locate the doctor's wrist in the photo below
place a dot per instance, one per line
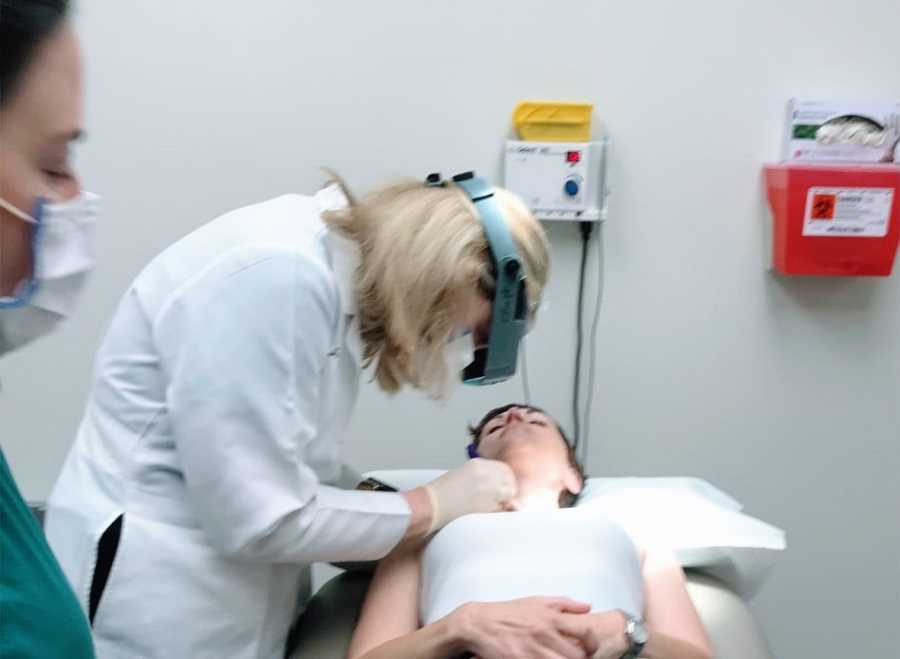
(421, 514)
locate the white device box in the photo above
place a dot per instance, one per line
(559, 180)
(805, 118)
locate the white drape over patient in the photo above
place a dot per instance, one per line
(567, 553)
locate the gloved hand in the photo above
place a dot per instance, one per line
(479, 486)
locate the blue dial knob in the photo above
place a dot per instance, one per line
(571, 188)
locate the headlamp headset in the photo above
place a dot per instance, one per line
(496, 362)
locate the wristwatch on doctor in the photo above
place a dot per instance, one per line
(636, 633)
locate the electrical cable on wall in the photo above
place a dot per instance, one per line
(592, 358)
(585, 228)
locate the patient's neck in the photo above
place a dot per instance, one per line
(539, 486)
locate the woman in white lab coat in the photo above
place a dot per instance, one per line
(197, 489)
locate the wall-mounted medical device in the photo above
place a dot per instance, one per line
(559, 180)
(554, 166)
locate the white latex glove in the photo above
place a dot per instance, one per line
(479, 486)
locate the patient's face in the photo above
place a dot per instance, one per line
(523, 432)
(530, 442)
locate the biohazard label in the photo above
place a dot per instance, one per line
(848, 212)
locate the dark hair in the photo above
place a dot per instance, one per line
(24, 25)
(566, 498)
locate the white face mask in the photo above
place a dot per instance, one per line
(62, 258)
(458, 353)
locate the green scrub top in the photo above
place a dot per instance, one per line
(40, 617)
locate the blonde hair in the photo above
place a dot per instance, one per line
(423, 253)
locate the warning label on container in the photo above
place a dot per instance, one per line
(848, 212)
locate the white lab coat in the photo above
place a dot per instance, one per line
(221, 395)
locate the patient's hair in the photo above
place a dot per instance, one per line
(24, 27)
(423, 253)
(566, 498)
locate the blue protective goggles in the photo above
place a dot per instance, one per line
(496, 362)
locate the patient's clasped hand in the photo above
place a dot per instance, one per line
(542, 581)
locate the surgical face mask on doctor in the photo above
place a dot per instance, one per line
(62, 256)
(456, 355)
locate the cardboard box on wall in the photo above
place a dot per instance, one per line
(841, 130)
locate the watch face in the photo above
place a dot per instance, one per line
(639, 633)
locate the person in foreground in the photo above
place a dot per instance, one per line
(46, 253)
(542, 581)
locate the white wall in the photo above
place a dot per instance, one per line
(783, 392)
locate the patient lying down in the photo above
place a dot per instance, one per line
(541, 581)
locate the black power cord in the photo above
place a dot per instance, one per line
(586, 228)
(592, 359)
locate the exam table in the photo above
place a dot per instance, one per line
(324, 629)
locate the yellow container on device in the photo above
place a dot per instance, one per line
(553, 121)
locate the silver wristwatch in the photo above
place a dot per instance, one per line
(636, 633)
